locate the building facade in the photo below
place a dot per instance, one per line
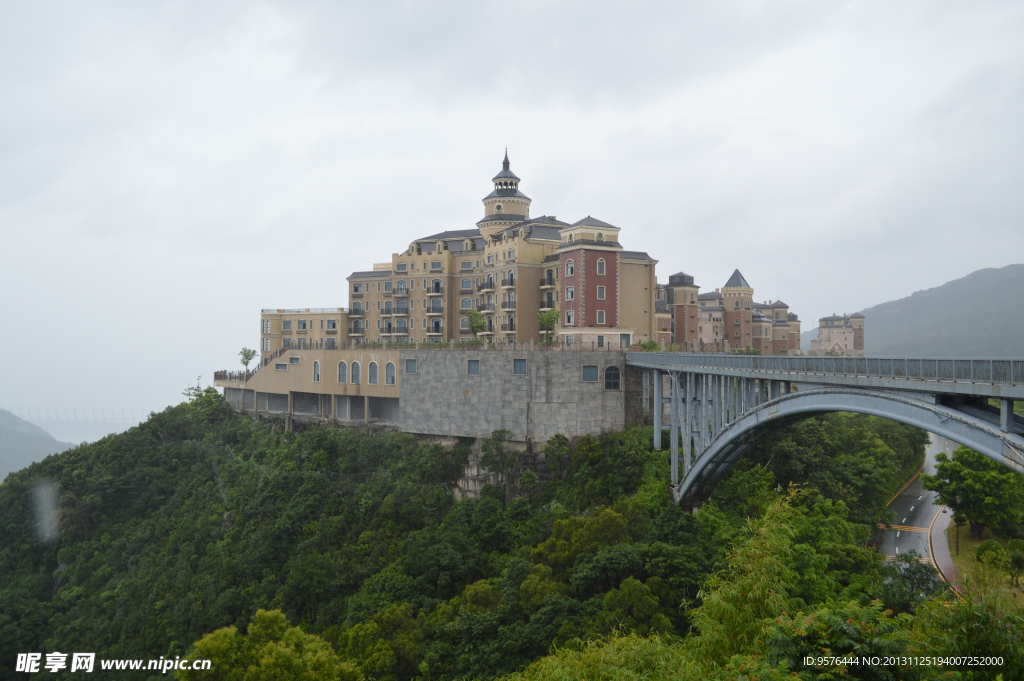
(839, 335)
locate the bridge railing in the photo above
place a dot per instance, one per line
(1004, 371)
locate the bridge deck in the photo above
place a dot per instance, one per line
(996, 378)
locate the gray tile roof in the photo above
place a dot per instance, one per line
(660, 306)
(569, 245)
(712, 295)
(780, 322)
(714, 308)
(631, 255)
(453, 234)
(502, 217)
(856, 315)
(792, 317)
(779, 303)
(371, 273)
(592, 222)
(507, 192)
(737, 280)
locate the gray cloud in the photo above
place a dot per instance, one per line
(166, 170)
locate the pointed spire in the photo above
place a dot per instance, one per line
(504, 164)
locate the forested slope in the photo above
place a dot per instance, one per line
(22, 443)
(198, 518)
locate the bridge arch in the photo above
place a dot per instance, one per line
(736, 437)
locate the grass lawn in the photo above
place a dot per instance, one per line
(969, 566)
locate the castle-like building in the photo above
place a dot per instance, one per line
(839, 335)
(511, 267)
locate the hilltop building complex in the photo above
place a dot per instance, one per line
(839, 335)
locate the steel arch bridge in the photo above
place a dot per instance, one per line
(720, 404)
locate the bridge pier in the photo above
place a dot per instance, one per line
(657, 408)
(1006, 416)
(674, 436)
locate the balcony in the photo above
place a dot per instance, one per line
(353, 313)
(401, 331)
(401, 293)
(486, 332)
(511, 305)
(435, 332)
(401, 312)
(508, 327)
(436, 291)
(486, 286)
(547, 305)
(508, 283)
(485, 307)
(355, 332)
(547, 283)
(385, 313)
(434, 312)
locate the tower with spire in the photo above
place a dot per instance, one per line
(505, 205)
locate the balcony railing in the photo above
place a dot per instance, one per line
(511, 305)
(486, 286)
(485, 307)
(508, 283)
(401, 311)
(435, 291)
(401, 292)
(547, 282)
(547, 304)
(508, 327)
(435, 311)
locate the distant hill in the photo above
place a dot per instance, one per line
(22, 443)
(980, 315)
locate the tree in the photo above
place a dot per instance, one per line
(906, 582)
(1015, 560)
(477, 323)
(497, 457)
(959, 519)
(986, 492)
(547, 320)
(271, 649)
(247, 355)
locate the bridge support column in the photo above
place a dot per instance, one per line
(787, 387)
(657, 409)
(1006, 416)
(648, 374)
(687, 417)
(674, 435)
(774, 386)
(702, 401)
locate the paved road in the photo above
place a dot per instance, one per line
(914, 508)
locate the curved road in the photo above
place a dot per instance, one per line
(915, 512)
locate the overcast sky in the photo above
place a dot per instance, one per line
(168, 169)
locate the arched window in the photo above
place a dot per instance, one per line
(357, 306)
(342, 372)
(371, 375)
(435, 305)
(570, 268)
(435, 326)
(387, 326)
(400, 326)
(549, 275)
(600, 266)
(467, 283)
(436, 286)
(611, 378)
(401, 287)
(511, 300)
(465, 322)
(357, 326)
(389, 374)
(355, 373)
(316, 372)
(387, 307)
(511, 278)
(466, 303)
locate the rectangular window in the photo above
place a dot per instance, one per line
(474, 367)
(293, 360)
(410, 366)
(600, 292)
(467, 265)
(281, 367)
(332, 323)
(600, 316)
(624, 340)
(387, 286)
(378, 287)
(570, 293)
(436, 265)
(568, 317)
(286, 325)
(287, 342)
(519, 367)
(590, 374)
(321, 325)
(401, 267)
(302, 324)
(357, 288)
(490, 258)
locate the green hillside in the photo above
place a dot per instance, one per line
(200, 519)
(22, 443)
(979, 315)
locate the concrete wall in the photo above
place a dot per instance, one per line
(441, 398)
